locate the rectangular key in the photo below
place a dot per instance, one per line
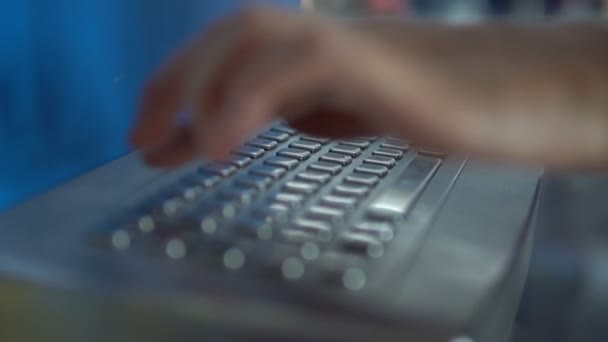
(293, 153)
(396, 145)
(363, 179)
(301, 187)
(287, 163)
(342, 202)
(250, 151)
(351, 190)
(204, 179)
(284, 129)
(332, 168)
(258, 182)
(265, 144)
(362, 144)
(268, 171)
(238, 193)
(351, 151)
(321, 141)
(398, 198)
(380, 160)
(292, 200)
(220, 169)
(275, 135)
(327, 214)
(321, 229)
(382, 230)
(431, 152)
(388, 152)
(361, 245)
(341, 159)
(310, 146)
(373, 169)
(240, 161)
(314, 176)
(311, 225)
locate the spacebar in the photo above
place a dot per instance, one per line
(402, 194)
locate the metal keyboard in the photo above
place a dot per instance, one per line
(294, 206)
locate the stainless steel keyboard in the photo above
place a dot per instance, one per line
(287, 203)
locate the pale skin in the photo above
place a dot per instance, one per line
(514, 92)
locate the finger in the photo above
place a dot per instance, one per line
(170, 89)
(260, 91)
(260, 29)
(175, 152)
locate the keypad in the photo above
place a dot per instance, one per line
(294, 153)
(298, 207)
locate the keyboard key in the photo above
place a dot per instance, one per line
(431, 152)
(275, 135)
(396, 145)
(373, 169)
(284, 129)
(321, 141)
(250, 151)
(363, 179)
(321, 229)
(322, 166)
(265, 144)
(362, 144)
(351, 151)
(272, 212)
(206, 180)
(314, 176)
(396, 201)
(351, 190)
(278, 207)
(361, 245)
(268, 171)
(381, 230)
(290, 199)
(258, 182)
(341, 159)
(342, 202)
(327, 214)
(301, 187)
(388, 152)
(297, 236)
(182, 191)
(380, 160)
(293, 153)
(238, 194)
(287, 163)
(240, 161)
(220, 169)
(306, 145)
(370, 138)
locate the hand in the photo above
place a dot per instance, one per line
(481, 89)
(325, 77)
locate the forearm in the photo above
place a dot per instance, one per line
(542, 67)
(540, 89)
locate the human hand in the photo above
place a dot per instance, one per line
(450, 87)
(325, 77)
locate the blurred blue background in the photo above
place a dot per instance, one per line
(70, 75)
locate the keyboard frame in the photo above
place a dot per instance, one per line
(42, 247)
